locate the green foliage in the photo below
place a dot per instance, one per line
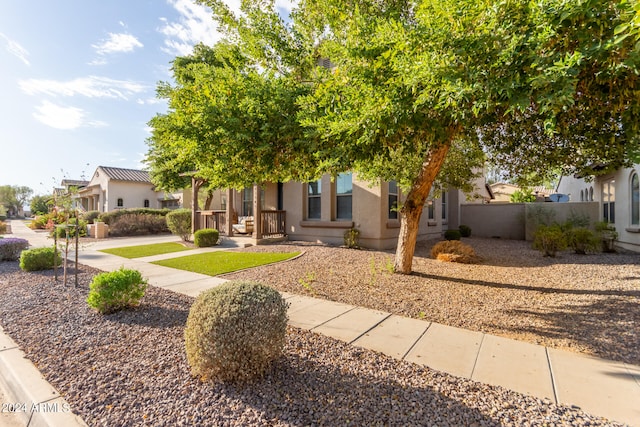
(11, 247)
(452, 234)
(179, 223)
(465, 230)
(206, 237)
(235, 331)
(39, 205)
(549, 240)
(608, 235)
(308, 281)
(137, 224)
(116, 290)
(523, 196)
(352, 238)
(582, 240)
(69, 228)
(39, 259)
(110, 217)
(3, 227)
(3, 213)
(13, 198)
(90, 216)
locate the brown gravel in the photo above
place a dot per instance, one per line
(129, 369)
(584, 303)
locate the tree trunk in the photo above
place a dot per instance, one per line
(411, 210)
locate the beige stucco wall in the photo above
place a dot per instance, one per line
(133, 195)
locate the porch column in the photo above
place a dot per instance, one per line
(195, 186)
(229, 222)
(257, 213)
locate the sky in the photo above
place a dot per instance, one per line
(78, 81)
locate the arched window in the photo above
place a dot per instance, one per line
(581, 196)
(635, 200)
(120, 202)
(591, 194)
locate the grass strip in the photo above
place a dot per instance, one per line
(146, 250)
(216, 263)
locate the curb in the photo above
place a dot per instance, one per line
(36, 402)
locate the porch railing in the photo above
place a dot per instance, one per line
(273, 222)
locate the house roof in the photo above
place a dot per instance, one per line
(74, 183)
(120, 174)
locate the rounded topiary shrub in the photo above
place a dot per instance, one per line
(116, 290)
(235, 331)
(465, 230)
(454, 251)
(11, 247)
(39, 259)
(452, 235)
(206, 237)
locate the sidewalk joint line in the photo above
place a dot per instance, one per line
(334, 317)
(370, 329)
(475, 362)
(416, 341)
(553, 378)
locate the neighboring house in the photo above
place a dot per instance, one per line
(503, 192)
(323, 210)
(71, 187)
(113, 188)
(618, 195)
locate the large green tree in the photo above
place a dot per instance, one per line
(14, 197)
(413, 91)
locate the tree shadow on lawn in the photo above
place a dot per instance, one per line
(600, 327)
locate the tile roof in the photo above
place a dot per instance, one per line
(132, 175)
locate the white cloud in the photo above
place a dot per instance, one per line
(65, 118)
(14, 48)
(150, 101)
(91, 87)
(195, 25)
(121, 42)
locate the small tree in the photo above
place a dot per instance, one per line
(523, 196)
(179, 223)
(39, 205)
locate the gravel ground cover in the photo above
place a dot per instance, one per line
(584, 303)
(130, 369)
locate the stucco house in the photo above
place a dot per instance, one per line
(618, 195)
(323, 210)
(112, 188)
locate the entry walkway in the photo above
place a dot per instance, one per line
(600, 387)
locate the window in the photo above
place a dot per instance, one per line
(344, 190)
(591, 194)
(393, 200)
(431, 211)
(444, 205)
(581, 196)
(120, 202)
(146, 203)
(314, 193)
(609, 201)
(635, 199)
(247, 201)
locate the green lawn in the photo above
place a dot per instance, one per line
(216, 263)
(146, 250)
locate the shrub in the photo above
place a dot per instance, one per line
(607, 234)
(137, 224)
(206, 237)
(179, 223)
(582, 240)
(465, 230)
(109, 218)
(235, 331)
(39, 259)
(3, 227)
(61, 232)
(452, 235)
(11, 247)
(454, 251)
(116, 290)
(549, 240)
(352, 238)
(90, 216)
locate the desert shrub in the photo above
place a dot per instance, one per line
(607, 234)
(90, 216)
(235, 331)
(3, 227)
(454, 251)
(452, 235)
(47, 221)
(179, 223)
(549, 240)
(352, 238)
(61, 232)
(116, 290)
(39, 259)
(465, 230)
(206, 237)
(109, 217)
(10, 248)
(137, 224)
(582, 240)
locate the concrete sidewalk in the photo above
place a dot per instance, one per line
(600, 387)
